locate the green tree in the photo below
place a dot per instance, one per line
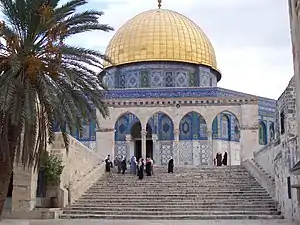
(43, 79)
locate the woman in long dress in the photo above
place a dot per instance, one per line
(141, 169)
(171, 166)
(148, 167)
(133, 165)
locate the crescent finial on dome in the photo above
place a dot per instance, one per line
(159, 3)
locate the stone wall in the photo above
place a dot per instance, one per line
(282, 154)
(79, 163)
(266, 155)
(286, 106)
(277, 159)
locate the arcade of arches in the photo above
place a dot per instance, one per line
(191, 144)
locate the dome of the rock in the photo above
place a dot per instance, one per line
(160, 35)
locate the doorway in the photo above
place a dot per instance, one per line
(149, 149)
(138, 149)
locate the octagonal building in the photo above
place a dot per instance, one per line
(165, 101)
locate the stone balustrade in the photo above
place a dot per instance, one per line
(82, 167)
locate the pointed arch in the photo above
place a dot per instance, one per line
(124, 124)
(192, 126)
(262, 133)
(162, 125)
(226, 126)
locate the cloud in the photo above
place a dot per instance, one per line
(251, 38)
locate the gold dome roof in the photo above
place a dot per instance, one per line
(160, 35)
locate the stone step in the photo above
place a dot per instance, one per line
(171, 217)
(177, 212)
(178, 196)
(159, 208)
(172, 192)
(176, 201)
(183, 205)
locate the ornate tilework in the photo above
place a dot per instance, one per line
(181, 79)
(192, 127)
(186, 153)
(144, 79)
(206, 155)
(166, 148)
(123, 126)
(192, 79)
(165, 127)
(133, 80)
(122, 81)
(205, 81)
(109, 80)
(169, 79)
(157, 79)
(121, 148)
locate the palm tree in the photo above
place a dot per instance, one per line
(43, 80)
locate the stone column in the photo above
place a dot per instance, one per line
(155, 149)
(105, 142)
(24, 189)
(176, 150)
(144, 146)
(130, 150)
(210, 146)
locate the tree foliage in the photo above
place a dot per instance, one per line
(43, 79)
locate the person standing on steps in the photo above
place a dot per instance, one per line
(152, 165)
(219, 159)
(171, 166)
(124, 165)
(141, 169)
(133, 165)
(148, 167)
(225, 159)
(107, 165)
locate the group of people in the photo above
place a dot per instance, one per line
(136, 167)
(219, 161)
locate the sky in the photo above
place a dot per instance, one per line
(251, 38)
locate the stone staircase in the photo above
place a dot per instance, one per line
(189, 193)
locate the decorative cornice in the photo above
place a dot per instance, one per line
(178, 102)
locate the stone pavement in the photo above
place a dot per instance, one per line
(152, 222)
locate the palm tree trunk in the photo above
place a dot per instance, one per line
(5, 176)
(6, 167)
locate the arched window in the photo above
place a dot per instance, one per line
(225, 127)
(262, 134)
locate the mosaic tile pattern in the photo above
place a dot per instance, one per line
(121, 148)
(186, 153)
(166, 151)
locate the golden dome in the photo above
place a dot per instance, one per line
(160, 35)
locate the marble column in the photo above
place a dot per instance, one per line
(176, 150)
(130, 148)
(210, 145)
(144, 145)
(156, 152)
